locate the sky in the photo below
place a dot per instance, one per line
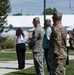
(37, 6)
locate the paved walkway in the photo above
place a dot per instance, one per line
(71, 57)
(10, 66)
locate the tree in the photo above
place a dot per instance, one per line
(54, 10)
(18, 14)
(50, 11)
(4, 10)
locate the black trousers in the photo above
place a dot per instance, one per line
(67, 61)
(20, 51)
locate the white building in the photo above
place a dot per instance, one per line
(26, 21)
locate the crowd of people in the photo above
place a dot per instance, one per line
(50, 42)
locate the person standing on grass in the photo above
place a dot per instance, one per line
(19, 41)
(68, 46)
(36, 41)
(58, 45)
(46, 40)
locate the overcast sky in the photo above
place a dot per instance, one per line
(36, 6)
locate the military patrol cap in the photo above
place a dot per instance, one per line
(57, 16)
(36, 19)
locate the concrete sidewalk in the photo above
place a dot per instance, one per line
(10, 66)
(71, 57)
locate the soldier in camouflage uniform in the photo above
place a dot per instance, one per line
(38, 52)
(58, 53)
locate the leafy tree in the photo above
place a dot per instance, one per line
(4, 10)
(54, 10)
(18, 14)
(50, 11)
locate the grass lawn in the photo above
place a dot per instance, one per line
(31, 71)
(13, 56)
(13, 50)
(70, 68)
(10, 55)
(71, 52)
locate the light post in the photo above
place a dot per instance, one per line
(21, 12)
(44, 10)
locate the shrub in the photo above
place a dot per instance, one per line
(9, 41)
(9, 44)
(2, 46)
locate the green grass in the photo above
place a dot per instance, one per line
(70, 68)
(12, 56)
(31, 71)
(71, 52)
(7, 56)
(13, 50)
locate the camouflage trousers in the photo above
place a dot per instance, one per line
(59, 67)
(38, 62)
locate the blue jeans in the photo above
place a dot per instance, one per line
(48, 61)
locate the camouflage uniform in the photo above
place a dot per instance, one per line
(38, 52)
(58, 54)
(58, 47)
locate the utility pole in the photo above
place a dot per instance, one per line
(69, 6)
(44, 10)
(21, 12)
